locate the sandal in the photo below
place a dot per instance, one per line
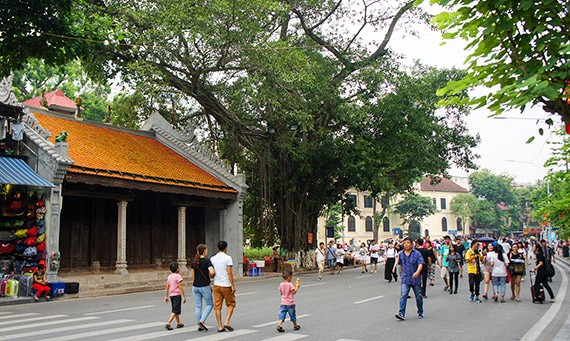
(168, 327)
(203, 326)
(180, 325)
(36, 298)
(280, 329)
(297, 327)
(228, 328)
(221, 330)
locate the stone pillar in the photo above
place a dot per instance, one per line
(121, 264)
(182, 239)
(52, 220)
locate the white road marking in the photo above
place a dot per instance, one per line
(247, 293)
(43, 324)
(363, 276)
(106, 331)
(369, 299)
(45, 331)
(18, 315)
(154, 335)
(287, 337)
(312, 285)
(275, 322)
(4, 312)
(223, 336)
(538, 328)
(31, 319)
(119, 310)
(347, 340)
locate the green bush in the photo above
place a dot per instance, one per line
(257, 253)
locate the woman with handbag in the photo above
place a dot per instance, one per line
(202, 271)
(516, 268)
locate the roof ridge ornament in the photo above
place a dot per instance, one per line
(6, 94)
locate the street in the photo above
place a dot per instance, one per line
(349, 306)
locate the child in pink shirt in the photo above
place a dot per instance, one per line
(175, 292)
(288, 291)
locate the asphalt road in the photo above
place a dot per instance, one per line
(349, 306)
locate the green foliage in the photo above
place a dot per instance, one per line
(519, 48)
(552, 199)
(495, 188)
(415, 207)
(257, 253)
(464, 206)
(333, 214)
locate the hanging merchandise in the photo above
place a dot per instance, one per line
(54, 260)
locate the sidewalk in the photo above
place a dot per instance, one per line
(109, 283)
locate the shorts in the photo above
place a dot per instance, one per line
(373, 260)
(284, 309)
(444, 271)
(176, 302)
(330, 262)
(222, 294)
(341, 264)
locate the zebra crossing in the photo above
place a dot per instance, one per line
(93, 326)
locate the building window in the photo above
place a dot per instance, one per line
(368, 224)
(434, 202)
(352, 199)
(459, 224)
(351, 224)
(386, 224)
(444, 224)
(443, 204)
(367, 201)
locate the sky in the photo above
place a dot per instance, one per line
(503, 148)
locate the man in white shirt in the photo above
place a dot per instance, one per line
(320, 253)
(224, 288)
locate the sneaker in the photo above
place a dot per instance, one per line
(477, 300)
(486, 297)
(445, 288)
(455, 292)
(400, 317)
(420, 317)
(471, 298)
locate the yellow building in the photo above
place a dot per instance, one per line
(359, 227)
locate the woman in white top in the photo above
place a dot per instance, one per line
(362, 255)
(488, 254)
(499, 262)
(339, 258)
(389, 260)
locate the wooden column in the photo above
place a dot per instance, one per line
(121, 264)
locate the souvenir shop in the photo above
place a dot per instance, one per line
(22, 205)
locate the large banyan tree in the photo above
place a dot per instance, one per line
(305, 96)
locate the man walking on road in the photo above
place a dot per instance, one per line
(224, 288)
(320, 253)
(412, 264)
(427, 263)
(443, 253)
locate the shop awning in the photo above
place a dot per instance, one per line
(15, 171)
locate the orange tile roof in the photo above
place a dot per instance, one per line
(117, 153)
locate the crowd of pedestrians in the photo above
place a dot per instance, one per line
(500, 265)
(495, 263)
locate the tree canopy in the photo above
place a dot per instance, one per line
(519, 49)
(464, 206)
(415, 207)
(294, 92)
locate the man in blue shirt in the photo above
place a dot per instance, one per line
(412, 264)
